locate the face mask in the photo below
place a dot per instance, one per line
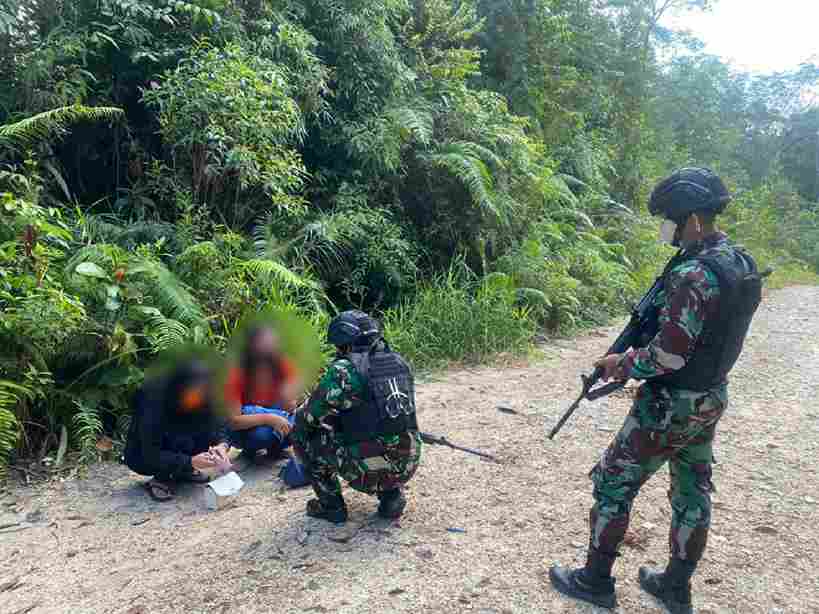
(193, 399)
(668, 232)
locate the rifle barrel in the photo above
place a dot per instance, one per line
(566, 416)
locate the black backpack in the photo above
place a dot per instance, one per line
(389, 405)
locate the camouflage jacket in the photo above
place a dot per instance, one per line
(691, 297)
(340, 388)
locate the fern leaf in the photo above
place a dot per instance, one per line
(474, 175)
(475, 150)
(273, 272)
(558, 183)
(54, 124)
(164, 333)
(10, 429)
(86, 428)
(168, 293)
(417, 123)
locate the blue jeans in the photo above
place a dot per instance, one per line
(262, 437)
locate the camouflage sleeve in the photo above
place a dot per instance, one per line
(693, 290)
(340, 388)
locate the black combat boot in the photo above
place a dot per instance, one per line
(672, 587)
(392, 504)
(332, 509)
(592, 583)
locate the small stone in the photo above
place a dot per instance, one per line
(713, 581)
(35, 516)
(425, 553)
(766, 530)
(396, 591)
(343, 536)
(253, 546)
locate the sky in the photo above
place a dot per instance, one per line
(757, 35)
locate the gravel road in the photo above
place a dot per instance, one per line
(477, 536)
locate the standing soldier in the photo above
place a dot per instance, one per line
(709, 296)
(359, 424)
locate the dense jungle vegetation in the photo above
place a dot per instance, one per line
(474, 171)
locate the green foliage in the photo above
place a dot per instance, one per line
(482, 319)
(473, 171)
(10, 429)
(87, 429)
(50, 125)
(570, 277)
(229, 118)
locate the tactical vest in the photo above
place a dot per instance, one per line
(720, 342)
(388, 407)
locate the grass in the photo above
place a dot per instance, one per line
(451, 319)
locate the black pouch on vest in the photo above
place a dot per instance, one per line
(390, 405)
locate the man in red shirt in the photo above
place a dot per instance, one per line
(260, 394)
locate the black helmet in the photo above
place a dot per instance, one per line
(686, 191)
(352, 328)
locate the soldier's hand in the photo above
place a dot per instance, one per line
(611, 367)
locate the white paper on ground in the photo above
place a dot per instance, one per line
(218, 490)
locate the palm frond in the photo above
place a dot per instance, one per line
(54, 124)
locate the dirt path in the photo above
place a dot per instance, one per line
(98, 544)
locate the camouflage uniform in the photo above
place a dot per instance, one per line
(666, 424)
(375, 466)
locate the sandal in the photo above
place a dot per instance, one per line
(159, 491)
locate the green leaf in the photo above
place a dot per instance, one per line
(113, 302)
(89, 269)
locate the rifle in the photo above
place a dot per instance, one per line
(643, 319)
(440, 440)
(641, 325)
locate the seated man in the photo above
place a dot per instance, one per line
(359, 423)
(260, 395)
(175, 433)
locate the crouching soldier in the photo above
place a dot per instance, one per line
(360, 423)
(175, 433)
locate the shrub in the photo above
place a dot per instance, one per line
(457, 317)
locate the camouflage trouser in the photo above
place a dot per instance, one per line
(677, 426)
(370, 467)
